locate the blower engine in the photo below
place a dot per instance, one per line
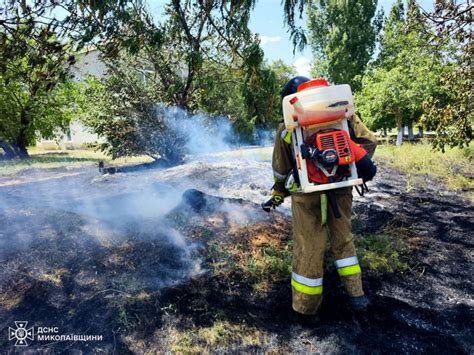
(326, 157)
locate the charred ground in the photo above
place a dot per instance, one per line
(211, 274)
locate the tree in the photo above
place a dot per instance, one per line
(120, 109)
(282, 71)
(260, 94)
(33, 69)
(404, 75)
(199, 58)
(343, 36)
(394, 97)
(250, 99)
(451, 110)
(35, 55)
(426, 60)
(283, 74)
(126, 110)
(171, 51)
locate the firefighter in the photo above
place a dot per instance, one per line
(308, 232)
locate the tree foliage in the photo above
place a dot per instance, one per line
(422, 75)
(198, 57)
(249, 98)
(121, 110)
(126, 109)
(343, 37)
(451, 110)
(36, 52)
(405, 74)
(33, 77)
(171, 50)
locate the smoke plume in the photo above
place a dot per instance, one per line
(118, 216)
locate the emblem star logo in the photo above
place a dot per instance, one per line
(21, 333)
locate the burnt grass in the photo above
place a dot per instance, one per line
(133, 283)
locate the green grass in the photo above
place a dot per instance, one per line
(268, 265)
(418, 161)
(54, 159)
(264, 266)
(380, 253)
(376, 252)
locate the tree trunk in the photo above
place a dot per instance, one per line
(399, 135)
(22, 137)
(398, 120)
(9, 151)
(411, 137)
(420, 131)
(12, 151)
(385, 131)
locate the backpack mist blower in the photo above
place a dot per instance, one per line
(326, 158)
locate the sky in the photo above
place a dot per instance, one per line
(267, 20)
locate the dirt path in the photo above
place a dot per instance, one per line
(162, 281)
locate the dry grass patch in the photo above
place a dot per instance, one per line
(260, 253)
(453, 168)
(221, 336)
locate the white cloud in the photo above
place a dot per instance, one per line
(269, 39)
(302, 66)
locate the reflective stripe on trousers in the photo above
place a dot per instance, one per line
(348, 266)
(306, 285)
(278, 176)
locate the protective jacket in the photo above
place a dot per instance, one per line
(309, 233)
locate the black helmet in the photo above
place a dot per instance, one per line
(292, 85)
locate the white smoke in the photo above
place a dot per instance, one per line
(98, 214)
(111, 208)
(202, 134)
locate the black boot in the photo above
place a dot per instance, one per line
(359, 304)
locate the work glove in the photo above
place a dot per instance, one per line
(275, 201)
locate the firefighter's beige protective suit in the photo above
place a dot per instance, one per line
(310, 235)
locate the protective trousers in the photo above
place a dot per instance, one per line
(309, 247)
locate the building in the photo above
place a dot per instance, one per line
(87, 64)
